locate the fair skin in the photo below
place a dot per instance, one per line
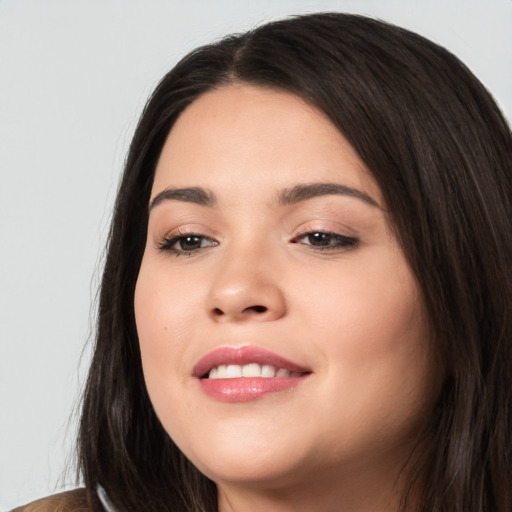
(311, 274)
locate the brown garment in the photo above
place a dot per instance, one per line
(70, 501)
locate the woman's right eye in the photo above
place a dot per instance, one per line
(185, 244)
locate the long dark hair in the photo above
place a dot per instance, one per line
(441, 153)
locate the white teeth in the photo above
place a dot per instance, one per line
(233, 371)
(251, 370)
(268, 371)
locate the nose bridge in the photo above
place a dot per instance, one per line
(246, 284)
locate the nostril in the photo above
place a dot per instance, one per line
(248, 312)
(257, 309)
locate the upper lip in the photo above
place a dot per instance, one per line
(241, 356)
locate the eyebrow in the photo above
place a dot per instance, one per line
(307, 191)
(288, 196)
(197, 195)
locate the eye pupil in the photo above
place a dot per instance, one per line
(189, 243)
(319, 239)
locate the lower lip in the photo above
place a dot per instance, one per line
(244, 389)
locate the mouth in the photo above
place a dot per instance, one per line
(265, 371)
(240, 374)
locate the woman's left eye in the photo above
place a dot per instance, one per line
(185, 243)
(322, 240)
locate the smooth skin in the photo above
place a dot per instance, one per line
(317, 278)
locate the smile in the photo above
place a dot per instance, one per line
(241, 374)
(265, 371)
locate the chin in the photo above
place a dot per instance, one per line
(255, 457)
(259, 472)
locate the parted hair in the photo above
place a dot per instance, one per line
(441, 152)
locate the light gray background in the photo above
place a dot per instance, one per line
(74, 76)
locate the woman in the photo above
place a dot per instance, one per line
(307, 294)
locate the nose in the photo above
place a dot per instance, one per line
(245, 289)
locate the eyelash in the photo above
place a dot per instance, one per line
(167, 244)
(342, 242)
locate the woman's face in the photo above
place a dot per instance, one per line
(269, 250)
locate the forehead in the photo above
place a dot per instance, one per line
(262, 137)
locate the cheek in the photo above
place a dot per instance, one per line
(372, 306)
(382, 318)
(164, 327)
(375, 349)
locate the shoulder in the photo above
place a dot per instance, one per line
(70, 501)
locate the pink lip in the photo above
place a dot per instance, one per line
(245, 389)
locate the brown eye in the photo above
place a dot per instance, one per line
(189, 243)
(185, 244)
(322, 240)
